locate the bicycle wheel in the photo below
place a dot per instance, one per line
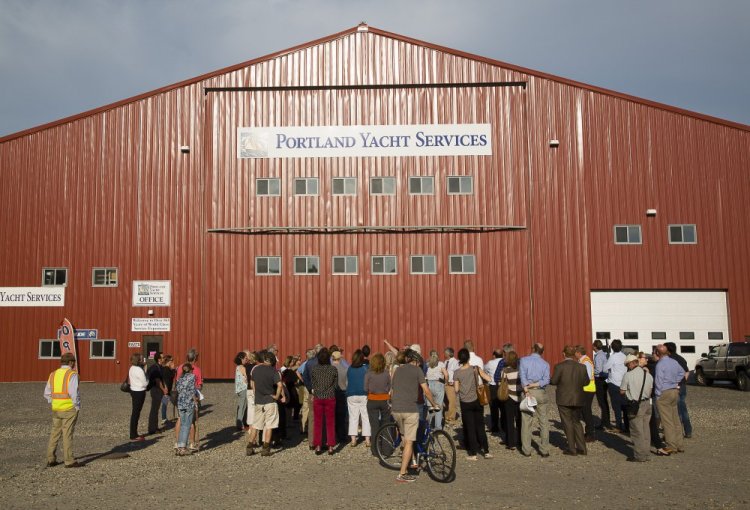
(388, 446)
(441, 457)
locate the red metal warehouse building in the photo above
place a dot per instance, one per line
(367, 186)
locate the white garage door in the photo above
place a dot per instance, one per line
(693, 320)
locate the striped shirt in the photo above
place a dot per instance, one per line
(514, 388)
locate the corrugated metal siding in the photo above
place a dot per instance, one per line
(107, 190)
(112, 189)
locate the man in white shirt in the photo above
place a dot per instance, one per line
(616, 368)
(474, 360)
(451, 365)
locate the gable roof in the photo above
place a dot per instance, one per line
(365, 28)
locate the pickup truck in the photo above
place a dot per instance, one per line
(725, 362)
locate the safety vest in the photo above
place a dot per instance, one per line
(591, 386)
(58, 381)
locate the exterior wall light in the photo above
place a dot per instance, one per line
(651, 212)
(554, 143)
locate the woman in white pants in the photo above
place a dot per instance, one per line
(250, 362)
(356, 398)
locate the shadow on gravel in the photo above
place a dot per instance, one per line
(221, 437)
(616, 442)
(205, 410)
(121, 451)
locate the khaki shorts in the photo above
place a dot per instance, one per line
(266, 416)
(407, 424)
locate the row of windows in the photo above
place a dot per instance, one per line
(100, 277)
(678, 234)
(420, 185)
(303, 265)
(379, 265)
(660, 335)
(98, 349)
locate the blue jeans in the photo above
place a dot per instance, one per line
(164, 403)
(682, 411)
(186, 420)
(621, 419)
(438, 393)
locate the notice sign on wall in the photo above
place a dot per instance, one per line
(140, 325)
(152, 293)
(355, 141)
(32, 296)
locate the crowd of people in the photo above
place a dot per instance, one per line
(333, 400)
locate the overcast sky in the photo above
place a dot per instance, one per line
(59, 58)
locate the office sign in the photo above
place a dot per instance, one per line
(364, 141)
(32, 296)
(152, 293)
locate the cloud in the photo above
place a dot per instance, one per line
(62, 58)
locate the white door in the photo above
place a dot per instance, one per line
(693, 320)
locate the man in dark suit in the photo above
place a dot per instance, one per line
(570, 377)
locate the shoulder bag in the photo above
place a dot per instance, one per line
(125, 386)
(632, 406)
(503, 392)
(483, 393)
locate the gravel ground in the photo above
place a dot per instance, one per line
(707, 475)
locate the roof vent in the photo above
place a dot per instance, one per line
(362, 27)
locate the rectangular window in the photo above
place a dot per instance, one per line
(682, 234)
(54, 277)
(687, 335)
(382, 185)
(715, 335)
(687, 349)
(347, 264)
(422, 185)
(627, 234)
(102, 349)
(630, 335)
(460, 185)
(270, 187)
(49, 349)
(344, 185)
(383, 264)
(306, 186)
(268, 266)
(104, 277)
(423, 264)
(308, 264)
(658, 335)
(462, 264)
(603, 335)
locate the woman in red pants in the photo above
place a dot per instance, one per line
(324, 381)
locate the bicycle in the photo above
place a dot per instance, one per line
(435, 448)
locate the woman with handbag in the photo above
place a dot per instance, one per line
(138, 384)
(468, 385)
(510, 399)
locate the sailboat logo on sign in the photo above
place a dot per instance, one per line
(253, 144)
